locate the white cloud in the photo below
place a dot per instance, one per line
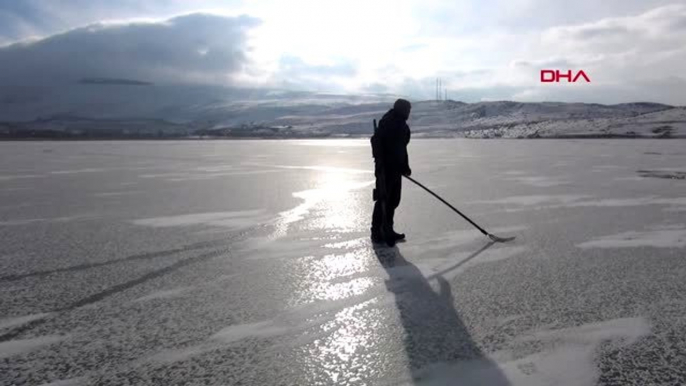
(192, 48)
(494, 49)
(629, 58)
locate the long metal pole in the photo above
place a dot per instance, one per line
(448, 204)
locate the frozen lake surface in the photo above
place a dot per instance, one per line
(249, 263)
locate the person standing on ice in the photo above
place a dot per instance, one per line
(389, 149)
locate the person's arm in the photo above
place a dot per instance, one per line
(384, 145)
(406, 169)
(406, 162)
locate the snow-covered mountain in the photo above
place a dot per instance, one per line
(126, 107)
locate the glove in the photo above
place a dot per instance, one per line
(407, 172)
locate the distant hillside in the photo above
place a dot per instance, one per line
(96, 109)
(502, 119)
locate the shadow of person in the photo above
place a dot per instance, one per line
(438, 345)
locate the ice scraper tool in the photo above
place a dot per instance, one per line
(490, 236)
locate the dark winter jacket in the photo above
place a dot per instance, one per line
(391, 139)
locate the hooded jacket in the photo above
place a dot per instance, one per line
(392, 138)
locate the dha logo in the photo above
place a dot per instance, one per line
(549, 76)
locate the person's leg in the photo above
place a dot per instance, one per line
(377, 221)
(387, 225)
(392, 182)
(378, 213)
(395, 185)
(388, 218)
(394, 188)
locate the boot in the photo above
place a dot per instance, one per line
(389, 238)
(397, 236)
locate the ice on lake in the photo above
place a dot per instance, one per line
(249, 262)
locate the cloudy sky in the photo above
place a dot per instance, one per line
(633, 50)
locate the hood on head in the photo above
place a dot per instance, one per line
(402, 107)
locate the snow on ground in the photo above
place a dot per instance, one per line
(18, 321)
(259, 113)
(565, 351)
(663, 238)
(20, 346)
(270, 278)
(224, 219)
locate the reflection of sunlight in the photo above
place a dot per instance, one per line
(361, 242)
(335, 208)
(344, 349)
(340, 210)
(336, 270)
(346, 352)
(332, 277)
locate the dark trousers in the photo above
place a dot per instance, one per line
(387, 196)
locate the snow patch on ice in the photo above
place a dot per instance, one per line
(631, 178)
(448, 242)
(659, 238)
(19, 320)
(629, 330)
(567, 359)
(21, 346)
(231, 334)
(116, 194)
(220, 219)
(537, 199)
(172, 293)
(215, 168)
(68, 382)
(444, 241)
(269, 248)
(46, 220)
(581, 201)
(161, 175)
(296, 321)
(19, 177)
(619, 202)
(79, 171)
(538, 181)
(605, 168)
(264, 329)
